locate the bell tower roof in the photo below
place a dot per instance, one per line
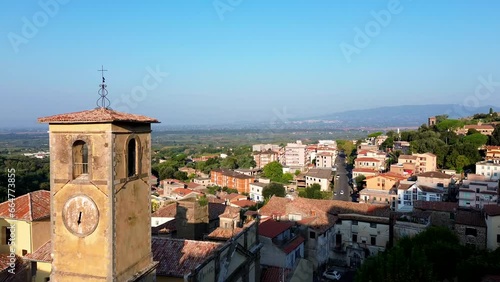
(98, 115)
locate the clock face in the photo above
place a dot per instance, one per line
(80, 215)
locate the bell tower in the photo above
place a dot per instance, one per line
(100, 166)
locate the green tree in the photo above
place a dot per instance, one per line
(476, 139)
(273, 188)
(449, 124)
(359, 181)
(314, 192)
(229, 163)
(374, 134)
(166, 172)
(388, 143)
(286, 178)
(494, 139)
(273, 171)
(297, 172)
(181, 175)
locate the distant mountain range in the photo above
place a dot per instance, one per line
(393, 116)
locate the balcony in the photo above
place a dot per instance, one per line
(80, 169)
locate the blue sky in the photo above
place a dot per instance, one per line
(243, 60)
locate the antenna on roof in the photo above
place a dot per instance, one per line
(103, 102)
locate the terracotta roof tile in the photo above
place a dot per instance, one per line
(221, 233)
(293, 245)
(320, 214)
(168, 210)
(42, 254)
(231, 212)
(178, 257)
(97, 115)
(436, 206)
(274, 274)
(320, 173)
(272, 228)
(471, 218)
(435, 174)
(367, 160)
(492, 210)
(184, 191)
(28, 207)
(244, 203)
(362, 169)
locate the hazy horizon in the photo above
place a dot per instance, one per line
(221, 62)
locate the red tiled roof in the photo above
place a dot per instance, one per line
(274, 274)
(408, 157)
(97, 115)
(436, 206)
(320, 212)
(271, 228)
(178, 257)
(28, 207)
(362, 169)
(293, 245)
(231, 212)
(21, 269)
(221, 233)
(192, 185)
(471, 218)
(389, 175)
(367, 160)
(435, 174)
(492, 210)
(184, 191)
(42, 254)
(244, 203)
(168, 210)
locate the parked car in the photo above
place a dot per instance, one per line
(341, 192)
(332, 274)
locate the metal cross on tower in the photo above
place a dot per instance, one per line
(103, 101)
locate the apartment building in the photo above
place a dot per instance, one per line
(410, 192)
(265, 147)
(476, 193)
(490, 169)
(325, 160)
(323, 177)
(295, 155)
(371, 163)
(492, 153)
(230, 179)
(262, 158)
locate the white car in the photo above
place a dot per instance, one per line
(341, 192)
(332, 274)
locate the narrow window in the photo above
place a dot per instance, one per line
(470, 231)
(80, 158)
(373, 240)
(131, 157)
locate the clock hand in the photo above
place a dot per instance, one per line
(79, 218)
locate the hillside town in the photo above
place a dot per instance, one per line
(303, 212)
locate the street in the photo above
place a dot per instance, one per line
(342, 190)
